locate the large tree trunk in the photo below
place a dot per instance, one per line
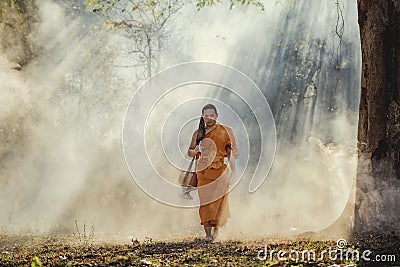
(17, 20)
(378, 176)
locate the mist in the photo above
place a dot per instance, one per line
(62, 117)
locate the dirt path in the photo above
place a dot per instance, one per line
(191, 251)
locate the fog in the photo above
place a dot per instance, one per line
(62, 116)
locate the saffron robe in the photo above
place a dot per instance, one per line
(213, 175)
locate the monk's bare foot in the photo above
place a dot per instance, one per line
(208, 229)
(186, 195)
(215, 233)
(208, 239)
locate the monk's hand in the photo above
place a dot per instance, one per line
(193, 152)
(198, 149)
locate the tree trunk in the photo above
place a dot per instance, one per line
(17, 21)
(149, 56)
(378, 176)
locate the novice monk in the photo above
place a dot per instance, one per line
(215, 142)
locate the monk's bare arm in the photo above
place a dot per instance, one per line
(193, 149)
(231, 149)
(231, 158)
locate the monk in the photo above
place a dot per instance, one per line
(211, 144)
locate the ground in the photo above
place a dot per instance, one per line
(73, 250)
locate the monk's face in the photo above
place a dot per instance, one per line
(210, 117)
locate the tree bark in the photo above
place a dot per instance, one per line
(17, 21)
(377, 206)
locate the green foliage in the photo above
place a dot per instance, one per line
(101, 6)
(36, 262)
(209, 3)
(142, 23)
(159, 7)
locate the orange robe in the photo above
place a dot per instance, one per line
(213, 175)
